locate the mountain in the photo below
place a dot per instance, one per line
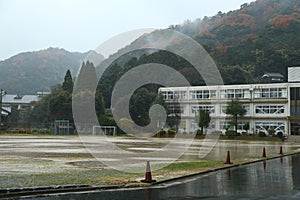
(260, 37)
(29, 72)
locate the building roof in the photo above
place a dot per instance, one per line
(19, 99)
(273, 75)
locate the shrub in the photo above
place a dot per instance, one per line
(280, 134)
(199, 132)
(271, 131)
(171, 132)
(262, 134)
(161, 133)
(230, 133)
(244, 133)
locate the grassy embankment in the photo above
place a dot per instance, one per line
(104, 176)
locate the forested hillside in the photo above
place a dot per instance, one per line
(27, 73)
(262, 36)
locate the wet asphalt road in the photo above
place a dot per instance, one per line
(273, 179)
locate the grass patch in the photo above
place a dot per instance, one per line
(191, 165)
(102, 176)
(90, 177)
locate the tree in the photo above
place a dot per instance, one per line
(247, 126)
(160, 101)
(60, 106)
(174, 114)
(235, 109)
(140, 103)
(68, 82)
(204, 119)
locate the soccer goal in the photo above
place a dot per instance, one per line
(107, 130)
(61, 127)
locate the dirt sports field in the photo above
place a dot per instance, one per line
(51, 160)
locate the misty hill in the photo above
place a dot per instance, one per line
(262, 36)
(27, 73)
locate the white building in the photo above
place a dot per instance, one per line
(269, 106)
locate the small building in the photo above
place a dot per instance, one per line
(272, 78)
(20, 101)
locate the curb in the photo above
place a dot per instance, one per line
(46, 190)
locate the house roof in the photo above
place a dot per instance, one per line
(19, 99)
(273, 75)
(5, 110)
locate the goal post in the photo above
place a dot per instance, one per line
(107, 130)
(61, 127)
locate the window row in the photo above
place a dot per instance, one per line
(226, 125)
(260, 109)
(270, 125)
(270, 93)
(259, 126)
(210, 109)
(227, 94)
(197, 94)
(194, 125)
(175, 109)
(235, 94)
(245, 106)
(203, 94)
(274, 109)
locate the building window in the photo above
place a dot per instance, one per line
(168, 95)
(266, 126)
(225, 125)
(175, 109)
(270, 93)
(224, 107)
(270, 109)
(202, 94)
(273, 93)
(230, 94)
(239, 94)
(180, 94)
(210, 109)
(213, 94)
(265, 93)
(234, 93)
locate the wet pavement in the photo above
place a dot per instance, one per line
(273, 179)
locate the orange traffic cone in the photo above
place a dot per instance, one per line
(148, 176)
(264, 153)
(280, 152)
(228, 158)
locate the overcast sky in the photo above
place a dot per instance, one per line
(81, 25)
